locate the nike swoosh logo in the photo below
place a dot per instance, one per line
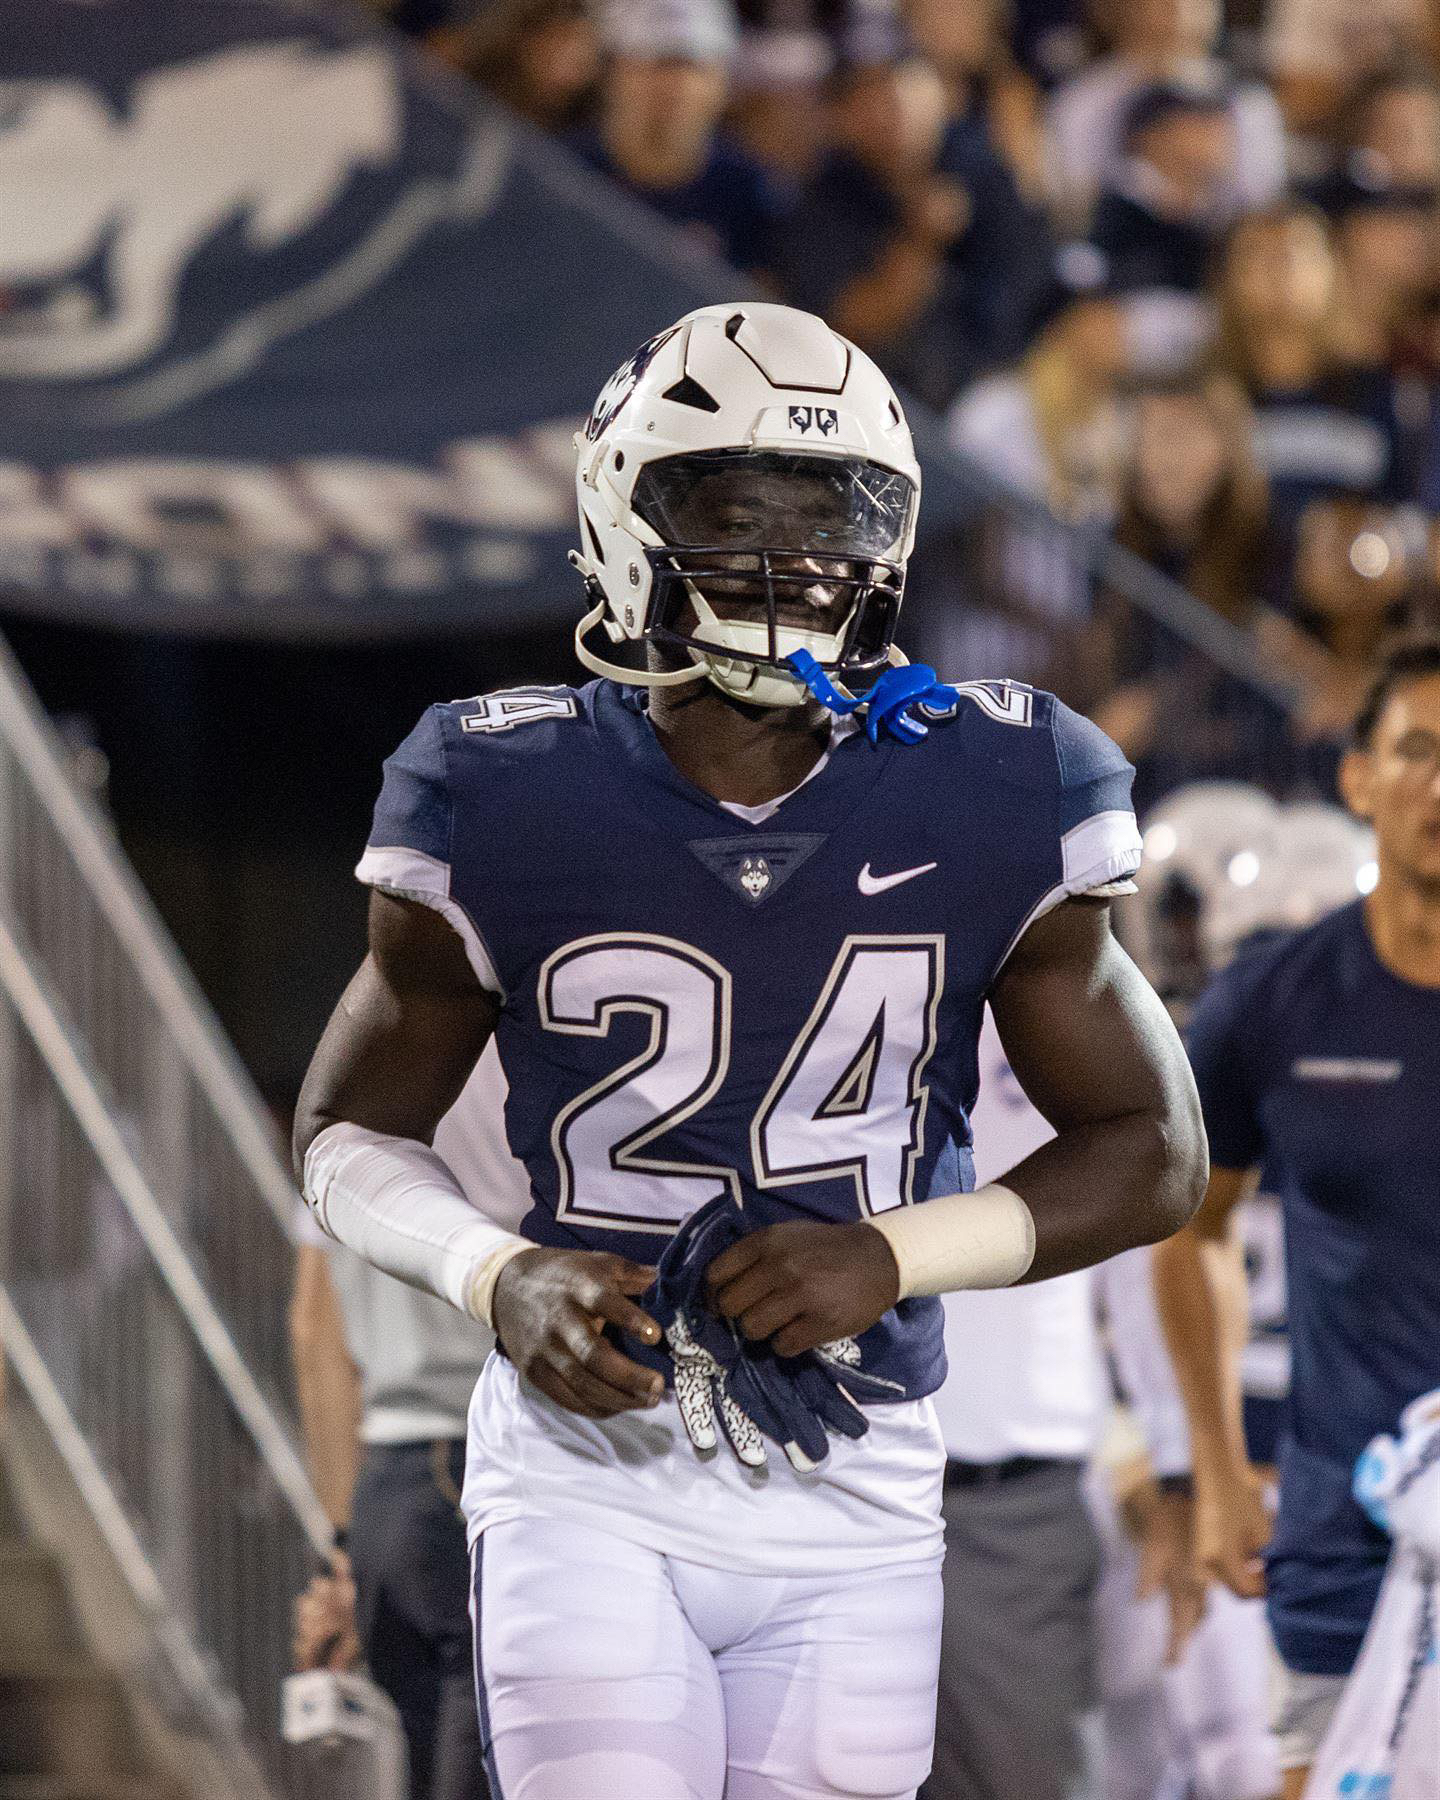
(877, 884)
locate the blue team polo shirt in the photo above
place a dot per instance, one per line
(1311, 1055)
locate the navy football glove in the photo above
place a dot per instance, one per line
(750, 1392)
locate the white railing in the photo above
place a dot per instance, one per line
(145, 1250)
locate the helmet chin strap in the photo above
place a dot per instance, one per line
(598, 665)
(757, 684)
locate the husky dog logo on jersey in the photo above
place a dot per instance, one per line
(105, 211)
(754, 876)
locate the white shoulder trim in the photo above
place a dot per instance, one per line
(1099, 850)
(1098, 856)
(412, 875)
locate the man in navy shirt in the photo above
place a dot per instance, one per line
(1321, 1052)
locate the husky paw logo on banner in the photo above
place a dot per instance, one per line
(120, 202)
(296, 331)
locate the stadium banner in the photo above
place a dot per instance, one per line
(295, 328)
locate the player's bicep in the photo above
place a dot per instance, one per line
(1085, 1033)
(406, 1034)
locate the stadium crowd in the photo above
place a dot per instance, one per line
(1168, 266)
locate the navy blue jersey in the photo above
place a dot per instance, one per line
(789, 1009)
(1310, 1055)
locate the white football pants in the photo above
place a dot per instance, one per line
(609, 1672)
(1202, 1728)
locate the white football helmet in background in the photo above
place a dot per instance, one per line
(1206, 847)
(1222, 861)
(747, 488)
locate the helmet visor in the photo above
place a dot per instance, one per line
(776, 500)
(804, 549)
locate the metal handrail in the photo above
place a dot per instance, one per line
(206, 1701)
(1228, 645)
(131, 914)
(37, 1010)
(146, 1238)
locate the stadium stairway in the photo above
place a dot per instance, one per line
(84, 1714)
(67, 1729)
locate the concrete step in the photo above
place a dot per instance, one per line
(53, 1787)
(12, 1524)
(37, 1623)
(70, 1723)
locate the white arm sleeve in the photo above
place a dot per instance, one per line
(393, 1201)
(1126, 1288)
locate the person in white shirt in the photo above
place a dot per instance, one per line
(1059, 1624)
(1155, 40)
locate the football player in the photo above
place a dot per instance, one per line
(1319, 1055)
(734, 951)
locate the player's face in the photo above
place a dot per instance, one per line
(1396, 782)
(741, 512)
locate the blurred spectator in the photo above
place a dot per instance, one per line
(1385, 245)
(1324, 424)
(1193, 506)
(662, 94)
(1361, 574)
(1053, 429)
(1051, 39)
(1386, 133)
(540, 57)
(912, 238)
(1156, 41)
(1418, 385)
(1158, 218)
(1315, 50)
(963, 41)
(1193, 501)
(778, 110)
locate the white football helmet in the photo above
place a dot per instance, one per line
(747, 488)
(1199, 887)
(1223, 861)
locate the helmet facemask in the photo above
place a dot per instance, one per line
(761, 553)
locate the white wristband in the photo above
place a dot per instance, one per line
(393, 1201)
(980, 1240)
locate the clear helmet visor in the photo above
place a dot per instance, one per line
(784, 548)
(777, 500)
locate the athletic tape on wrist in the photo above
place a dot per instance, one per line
(980, 1240)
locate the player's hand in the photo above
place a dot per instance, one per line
(550, 1308)
(802, 1285)
(1162, 1527)
(1233, 1524)
(324, 1621)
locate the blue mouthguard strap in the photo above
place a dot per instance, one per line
(887, 704)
